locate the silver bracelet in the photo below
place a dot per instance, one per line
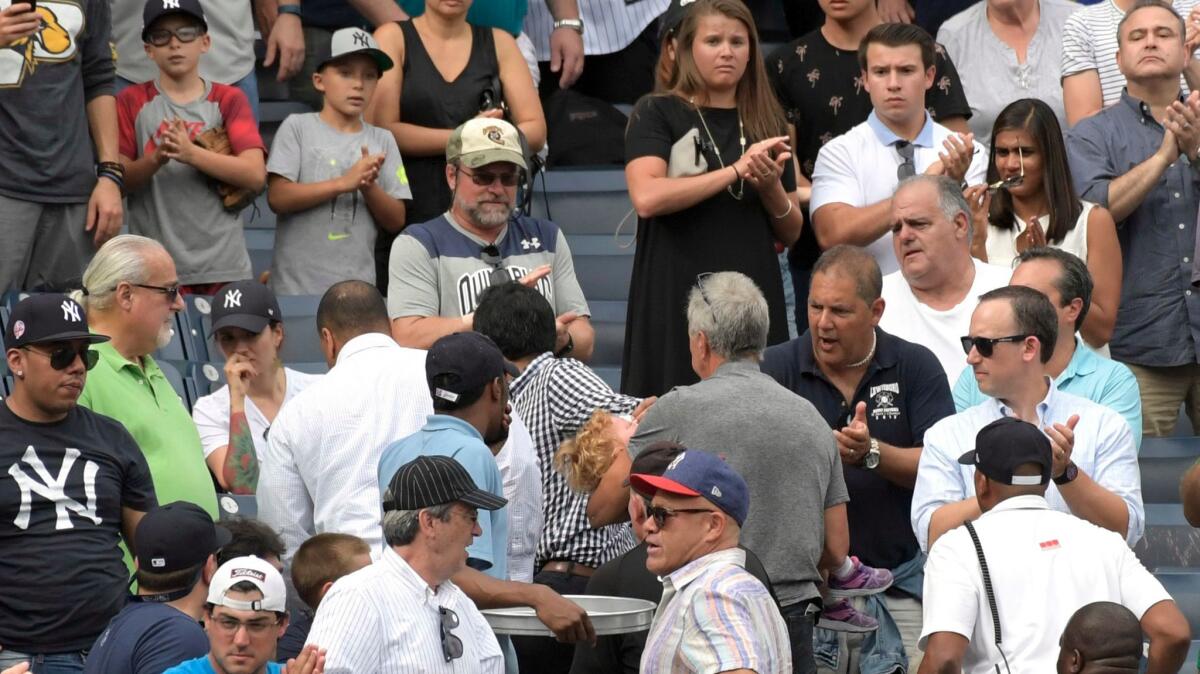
(785, 213)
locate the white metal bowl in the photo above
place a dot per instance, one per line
(609, 615)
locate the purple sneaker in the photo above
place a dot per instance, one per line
(841, 616)
(863, 581)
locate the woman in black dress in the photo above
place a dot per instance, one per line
(719, 202)
(445, 74)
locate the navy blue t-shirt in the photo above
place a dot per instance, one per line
(146, 638)
(906, 392)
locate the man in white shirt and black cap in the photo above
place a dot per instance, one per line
(403, 613)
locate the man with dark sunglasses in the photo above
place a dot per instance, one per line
(404, 613)
(73, 485)
(438, 269)
(1096, 478)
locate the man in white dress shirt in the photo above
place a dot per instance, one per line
(930, 300)
(319, 471)
(403, 614)
(1096, 478)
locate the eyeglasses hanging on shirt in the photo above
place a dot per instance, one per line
(906, 169)
(491, 257)
(452, 646)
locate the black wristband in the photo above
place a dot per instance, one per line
(566, 349)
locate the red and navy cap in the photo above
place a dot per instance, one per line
(697, 473)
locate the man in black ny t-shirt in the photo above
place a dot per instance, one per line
(72, 484)
(819, 84)
(879, 394)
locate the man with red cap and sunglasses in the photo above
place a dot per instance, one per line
(714, 615)
(73, 484)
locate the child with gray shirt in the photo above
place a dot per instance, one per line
(333, 178)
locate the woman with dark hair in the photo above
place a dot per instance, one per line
(1036, 205)
(710, 174)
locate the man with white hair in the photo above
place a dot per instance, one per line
(930, 300)
(131, 293)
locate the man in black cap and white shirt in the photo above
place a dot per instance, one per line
(1041, 564)
(402, 613)
(160, 628)
(73, 483)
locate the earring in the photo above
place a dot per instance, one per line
(21, 375)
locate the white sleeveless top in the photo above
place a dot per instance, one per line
(1002, 243)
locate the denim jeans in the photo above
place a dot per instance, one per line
(45, 663)
(800, 619)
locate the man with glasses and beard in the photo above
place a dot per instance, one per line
(72, 486)
(131, 293)
(404, 613)
(439, 268)
(1012, 336)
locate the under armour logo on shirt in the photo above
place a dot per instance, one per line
(170, 4)
(233, 298)
(360, 38)
(531, 243)
(70, 311)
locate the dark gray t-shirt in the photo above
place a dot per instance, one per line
(780, 445)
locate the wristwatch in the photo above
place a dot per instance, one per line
(1068, 475)
(290, 9)
(574, 24)
(871, 460)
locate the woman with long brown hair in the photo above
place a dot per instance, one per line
(711, 177)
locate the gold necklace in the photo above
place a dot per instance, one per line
(717, 149)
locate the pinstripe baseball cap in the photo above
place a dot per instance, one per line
(429, 481)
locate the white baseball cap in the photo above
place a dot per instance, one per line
(253, 570)
(349, 41)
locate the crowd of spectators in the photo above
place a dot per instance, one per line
(989, 238)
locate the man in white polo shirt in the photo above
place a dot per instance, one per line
(1002, 589)
(857, 172)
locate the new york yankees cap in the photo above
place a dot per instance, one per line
(429, 481)
(248, 305)
(349, 41)
(51, 317)
(259, 573)
(463, 362)
(177, 536)
(156, 9)
(696, 473)
(1006, 444)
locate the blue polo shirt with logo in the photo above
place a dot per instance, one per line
(906, 392)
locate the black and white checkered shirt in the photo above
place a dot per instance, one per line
(555, 397)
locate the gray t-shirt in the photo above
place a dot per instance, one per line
(436, 267)
(230, 25)
(780, 445)
(333, 241)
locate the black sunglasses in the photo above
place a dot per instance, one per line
(170, 291)
(985, 345)
(483, 178)
(452, 646)
(661, 514)
(491, 257)
(64, 356)
(161, 37)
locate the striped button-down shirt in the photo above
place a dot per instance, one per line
(385, 619)
(555, 397)
(608, 25)
(522, 479)
(319, 470)
(716, 617)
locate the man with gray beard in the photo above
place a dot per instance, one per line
(438, 268)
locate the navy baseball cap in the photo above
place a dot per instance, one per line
(669, 22)
(1005, 444)
(157, 9)
(697, 473)
(462, 362)
(51, 317)
(177, 536)
(248, 305)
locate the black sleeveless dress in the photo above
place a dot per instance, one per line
(426, 99)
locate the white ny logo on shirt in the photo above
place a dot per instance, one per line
(53, 489)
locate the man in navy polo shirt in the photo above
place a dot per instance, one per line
(879, 394)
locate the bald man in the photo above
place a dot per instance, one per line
(1101, 638)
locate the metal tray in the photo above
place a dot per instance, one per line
(609, 615)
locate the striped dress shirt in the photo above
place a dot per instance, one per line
(555, 397)
(319, 471)
(385, 619)
(608, 25)
(522, 480)
(716, 617)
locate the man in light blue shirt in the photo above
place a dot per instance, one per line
(1075, 368)
(1013, 333)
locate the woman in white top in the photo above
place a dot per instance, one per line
(1044, 209)
(233, 422)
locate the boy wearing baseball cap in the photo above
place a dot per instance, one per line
(334, 179)
(714, 615)
(168, 129)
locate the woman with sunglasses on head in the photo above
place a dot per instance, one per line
(234, 420)
(447, 71)
(711, 177)
(1032, 202)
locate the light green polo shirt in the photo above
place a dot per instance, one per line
(150, 409)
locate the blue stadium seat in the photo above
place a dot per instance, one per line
(260, 243)
(1183, 584)
(610, 375)
(181, 384)
(1162, 462)
(583, 201)
(301, 343)
(311, 367)
(260, 216)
